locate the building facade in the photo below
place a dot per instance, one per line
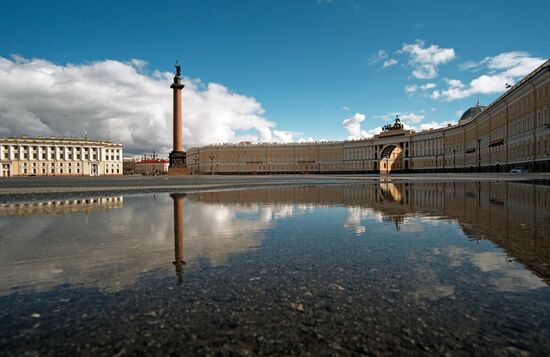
(53, 156)
(151, 166)
(513, 131)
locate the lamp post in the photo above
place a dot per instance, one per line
(211, 157)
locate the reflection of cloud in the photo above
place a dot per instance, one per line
(219, 238)
(434, 292)
(110, 249)
(429, 286)
(504, 275)
(409, 227)
(357, 214)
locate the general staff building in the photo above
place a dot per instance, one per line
(513, 131)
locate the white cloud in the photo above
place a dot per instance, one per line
(405, 117)
(434, 125)
(434, 109)
(425, 71)
(411, 117)
(389, 63)
(121, 100)
(504, 68)
(428, 86)
(378, 57)
(412, 121)
(382, 56)
(346, 108)
(411, 89)
(514, 64)
(308, 140)
(353, 126)
(468, 65)
(268, 135)
(425, 60)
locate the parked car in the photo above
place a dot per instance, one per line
(519, 170)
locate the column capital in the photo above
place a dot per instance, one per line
(177, 83)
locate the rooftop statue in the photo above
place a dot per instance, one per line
(395, 126)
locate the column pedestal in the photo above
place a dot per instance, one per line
(177, 164)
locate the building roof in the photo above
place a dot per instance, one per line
(471, 113)
(152, 161)
(64, 139)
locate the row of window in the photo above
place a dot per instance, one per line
(45, 153)
(62, 168)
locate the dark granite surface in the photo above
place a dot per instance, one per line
(385, 269)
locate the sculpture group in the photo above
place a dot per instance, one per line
(395, 126)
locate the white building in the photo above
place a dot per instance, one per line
(56, 156)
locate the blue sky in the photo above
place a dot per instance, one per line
(309, 64)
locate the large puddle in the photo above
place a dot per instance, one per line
(374, 268)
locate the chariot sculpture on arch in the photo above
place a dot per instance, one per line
(395, 126)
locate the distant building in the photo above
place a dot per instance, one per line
(513, 131)
(129, 166)
(155, 166)
(56, 156)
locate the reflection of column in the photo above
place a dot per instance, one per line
(178, 235)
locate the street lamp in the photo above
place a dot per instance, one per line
(211, 157)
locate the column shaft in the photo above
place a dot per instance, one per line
(178, 141)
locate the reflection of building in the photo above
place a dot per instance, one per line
(41, 156)
(514, 216)
(512, 131)
(61, 206)
(178, 235)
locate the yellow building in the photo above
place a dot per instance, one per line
(53, 156)
(513, 131)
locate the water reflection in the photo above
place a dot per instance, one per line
(65, 206)
(178, 235)
(514, 216)
(110, 242)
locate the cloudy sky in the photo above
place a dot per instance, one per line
(257, 70)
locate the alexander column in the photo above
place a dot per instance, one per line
(177, 156)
